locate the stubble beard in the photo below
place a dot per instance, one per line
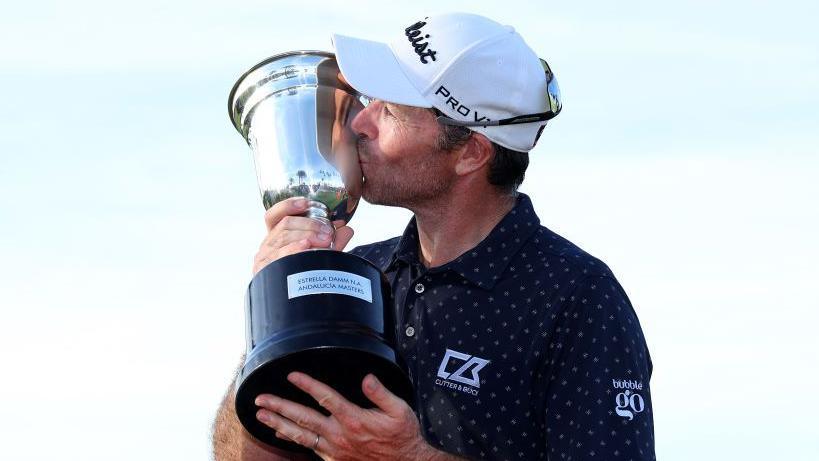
(408, 185)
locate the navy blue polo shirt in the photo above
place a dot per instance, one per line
(525, 347)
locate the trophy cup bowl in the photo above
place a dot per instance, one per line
(322, 312)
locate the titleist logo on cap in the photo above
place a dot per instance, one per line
(415, 37)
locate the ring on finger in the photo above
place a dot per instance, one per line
(315, 444)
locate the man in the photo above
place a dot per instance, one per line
(519, 344)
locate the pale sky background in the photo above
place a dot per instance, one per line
(685, 158)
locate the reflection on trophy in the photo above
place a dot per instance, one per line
(322, 312)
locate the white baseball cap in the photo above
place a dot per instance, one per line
(477, 72)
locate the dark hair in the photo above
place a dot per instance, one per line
(507, 167)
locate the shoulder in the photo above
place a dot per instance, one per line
(378, 253)
(587, 284)
(559, 253)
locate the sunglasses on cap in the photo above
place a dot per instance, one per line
(553, 98)
(554, 107)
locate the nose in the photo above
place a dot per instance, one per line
(363, 123)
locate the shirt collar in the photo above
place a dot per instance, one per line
(483, 264)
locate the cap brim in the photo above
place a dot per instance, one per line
(372, 69)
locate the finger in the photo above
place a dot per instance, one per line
(339, 223)
(263, 259)
(285, 429)
(305, 417)
(305, 223)
(279, 238)
(325, 395)
(321, 240)
(287, 207)
(343, 237)
(293, 247)
(378, 394)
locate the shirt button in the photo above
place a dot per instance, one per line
(419, 288)
(410, 331)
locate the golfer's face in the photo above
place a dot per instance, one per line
(399, 155)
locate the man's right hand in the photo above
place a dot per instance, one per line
(288, 232)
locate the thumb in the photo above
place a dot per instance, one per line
(343, 236)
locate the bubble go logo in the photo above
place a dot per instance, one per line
(628, 403)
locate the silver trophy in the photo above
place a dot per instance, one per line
(322, 312)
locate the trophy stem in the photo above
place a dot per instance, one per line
(319, 211)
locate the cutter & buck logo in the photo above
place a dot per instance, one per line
(452, 376)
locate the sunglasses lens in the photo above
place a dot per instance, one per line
(365, 100)
(554, 96)
(552, 88)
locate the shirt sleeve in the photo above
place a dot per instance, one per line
(597, 400)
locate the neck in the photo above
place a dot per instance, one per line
(458, 222)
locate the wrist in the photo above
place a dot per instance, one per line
(427, 452)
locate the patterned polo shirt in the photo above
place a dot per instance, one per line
(525, 347)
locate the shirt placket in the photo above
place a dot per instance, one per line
(413, 300)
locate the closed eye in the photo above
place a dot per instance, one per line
(386, 110)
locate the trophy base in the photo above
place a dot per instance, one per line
(350, 365)
(323, 313)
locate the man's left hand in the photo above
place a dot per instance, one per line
(389, 431)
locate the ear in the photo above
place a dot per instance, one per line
(474, 155)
